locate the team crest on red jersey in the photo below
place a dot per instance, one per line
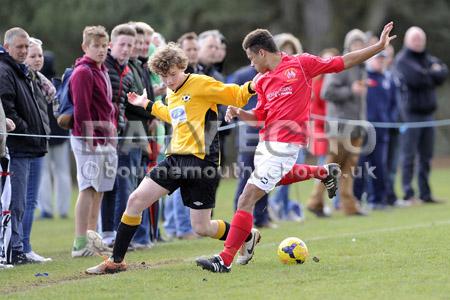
(291, 74)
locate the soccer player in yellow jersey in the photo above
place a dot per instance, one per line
(193, 155)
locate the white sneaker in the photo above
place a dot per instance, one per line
(82, 252)
(34, 257)
(3, 265)
(95, 244)
(108, 238)
(248, 248)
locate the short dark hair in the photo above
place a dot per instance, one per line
(187, 36)
(259, 39)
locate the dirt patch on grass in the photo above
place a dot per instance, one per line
(42, 282)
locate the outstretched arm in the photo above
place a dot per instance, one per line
(356, 57)
(157, 109)
(244, 115)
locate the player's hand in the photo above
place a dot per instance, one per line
(10, 126)
(137, 100)
(231, 113)
(385, 39)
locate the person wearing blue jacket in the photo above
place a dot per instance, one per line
(373, 166)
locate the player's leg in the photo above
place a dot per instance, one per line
(147, 193)
(272, 161)
(328, 174)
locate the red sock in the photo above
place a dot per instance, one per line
(240, 228)
(300, 172)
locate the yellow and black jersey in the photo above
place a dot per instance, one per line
(192, 111)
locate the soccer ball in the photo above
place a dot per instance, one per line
(292, 251)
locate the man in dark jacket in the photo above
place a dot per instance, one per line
(422, 73)
(22, 107)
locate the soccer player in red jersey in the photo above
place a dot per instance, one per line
(284, 93)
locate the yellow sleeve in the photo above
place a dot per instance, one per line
(226, 94)
(161, 111)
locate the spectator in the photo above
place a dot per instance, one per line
(44, 92)
(121, 46)
(6, 125)
(345, 95)
(380, 103)
(137, 116)
(393, 148)
(24, 109)
(56, 174)
(189, 43)
(319, 141)
(422, 73)
(96, 159)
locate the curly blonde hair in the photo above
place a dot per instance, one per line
(167, 57)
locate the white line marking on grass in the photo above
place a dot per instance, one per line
(360, 233)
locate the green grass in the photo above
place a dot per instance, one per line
(397, 254)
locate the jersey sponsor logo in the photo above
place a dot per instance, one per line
(178, 114)
(284, 91)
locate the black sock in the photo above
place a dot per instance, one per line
(226, 230)
(123, 238)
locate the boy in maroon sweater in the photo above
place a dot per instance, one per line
(96, 158)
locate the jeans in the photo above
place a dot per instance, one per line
(56, 180)
(25, 180)
(177, 216)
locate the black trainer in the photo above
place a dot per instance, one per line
(214, 264)
(331, 181)
(19, 258)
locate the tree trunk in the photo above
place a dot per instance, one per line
(317, 16)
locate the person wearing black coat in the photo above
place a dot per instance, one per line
(23, 108)
(421, 73)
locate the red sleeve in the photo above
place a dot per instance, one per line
(315, 65)
(81, 89)
(259, 111)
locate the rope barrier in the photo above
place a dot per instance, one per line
(402, 126)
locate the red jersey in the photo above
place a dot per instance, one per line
(284, 96)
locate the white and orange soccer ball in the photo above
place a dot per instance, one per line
(292, 251)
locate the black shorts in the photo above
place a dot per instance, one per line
(197, 179)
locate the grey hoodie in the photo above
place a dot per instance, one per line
(337, 88)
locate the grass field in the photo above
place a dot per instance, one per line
(396, 254)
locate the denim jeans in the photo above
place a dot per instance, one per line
(177, 216)
(34, 182)
(25, 179)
